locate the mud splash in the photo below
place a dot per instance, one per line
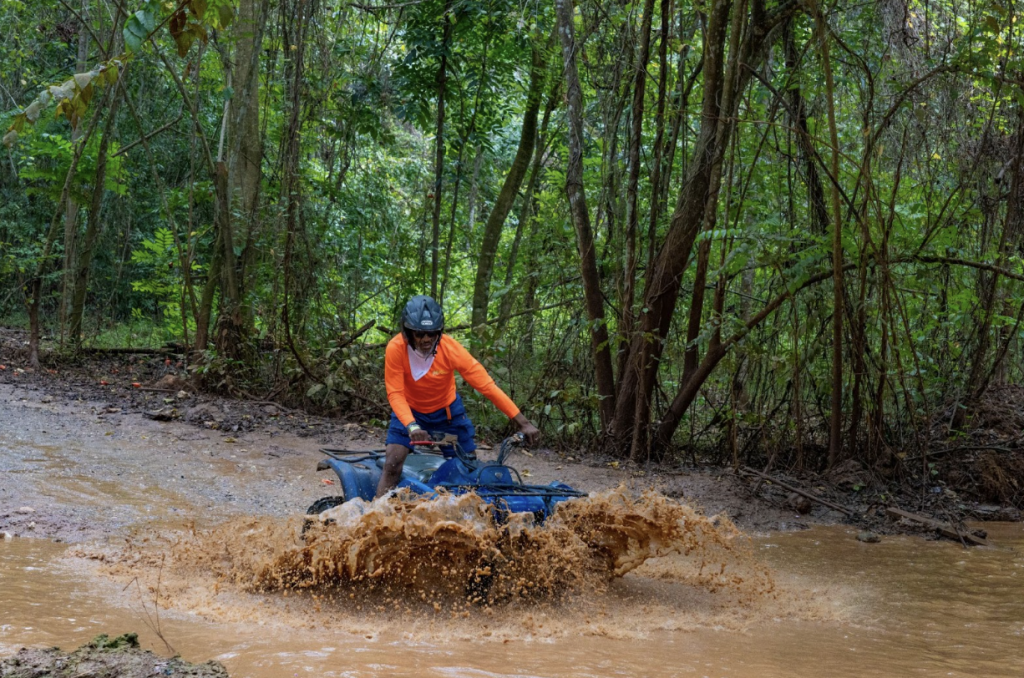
(609, 564)
(451, 546)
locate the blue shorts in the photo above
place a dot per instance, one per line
(438, 421)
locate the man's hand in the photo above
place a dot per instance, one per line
(531, 432)
(419, 434)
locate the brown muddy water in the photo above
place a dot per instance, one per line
(905, 606)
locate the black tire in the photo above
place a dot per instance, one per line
(324, 503)
(319, 506)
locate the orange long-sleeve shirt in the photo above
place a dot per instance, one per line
(436, 389)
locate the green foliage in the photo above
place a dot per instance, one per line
(928, 115)
(48, 159)
(160, 277)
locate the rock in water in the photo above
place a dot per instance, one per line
(799, 503)
(119, 657)
(171, 382)
(868, 537)
(163, 414)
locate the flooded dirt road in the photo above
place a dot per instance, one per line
(76, 473)
(903, 607)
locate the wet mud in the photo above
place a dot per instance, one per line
(104, 656)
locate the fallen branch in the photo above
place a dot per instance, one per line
(147, 137)
(803, 493)
(965, 448)
(360, 332)
(945, 529)
(125, 351)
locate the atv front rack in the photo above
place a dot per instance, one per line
(514, 489)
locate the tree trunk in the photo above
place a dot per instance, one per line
(473, 192)
(35, 283)
(509, 190)
(442, 82)
(71, 211)
(93, 228)
(979, 376)
(526, 213)
(633, 180)
(246, 154)
(659, 130)
(205, 312)
(688, 391)
(292, 186)
(699, 191)
(798, 119)
(835, 436)
(581, 217)
(469, 132)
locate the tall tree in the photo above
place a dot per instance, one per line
(581, 216)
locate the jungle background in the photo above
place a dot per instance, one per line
(727, 231)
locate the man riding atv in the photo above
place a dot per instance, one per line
(419, 374)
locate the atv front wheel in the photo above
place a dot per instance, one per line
(324, 503)
(318, 507)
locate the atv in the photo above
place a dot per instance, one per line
(440, 465)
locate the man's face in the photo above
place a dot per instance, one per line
(424, 341)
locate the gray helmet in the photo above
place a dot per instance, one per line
(423, 314)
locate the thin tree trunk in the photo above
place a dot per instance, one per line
(526, 213)
(442, 82)
(205, 312)
(659, 129)
(633, 180)
(979, 375)
(835, 436)
(699, 195)
(35, 283)
(246, 147)
(71, 211)
(292, 188)
(470, 131)
(688, 391)
(93, 227)
(451, 225)
(581, 217)
(474, 191)
(798, 119)
(509, 190)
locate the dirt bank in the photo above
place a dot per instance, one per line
(120, 657)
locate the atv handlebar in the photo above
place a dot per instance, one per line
(508, 445)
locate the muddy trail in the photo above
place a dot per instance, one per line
(192, 536)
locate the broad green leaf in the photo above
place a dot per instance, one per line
(137, 29)
(133, 35)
